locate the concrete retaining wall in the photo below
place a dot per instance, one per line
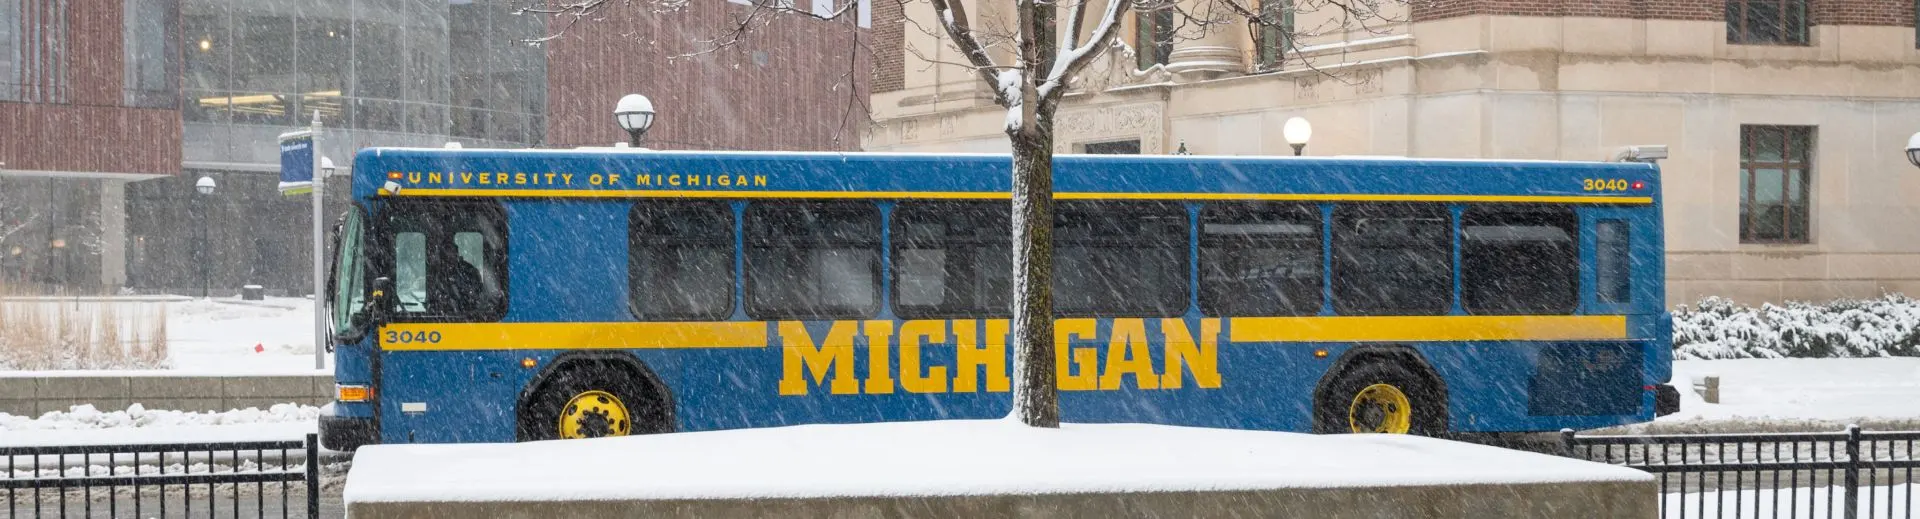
(33, 395)
(1584, 499)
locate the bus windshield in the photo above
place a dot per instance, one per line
(349, 293)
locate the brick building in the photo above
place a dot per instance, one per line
(1786, 119)
(111, 110)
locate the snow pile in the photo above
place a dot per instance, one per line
(954, 457)
(85, 416)
(1716, 328)
(86, 425)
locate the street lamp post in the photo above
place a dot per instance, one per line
(1913, 149)
(635, 115)
(205, 187)
(1297, 131)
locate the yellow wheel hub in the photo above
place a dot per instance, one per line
(1380, 408)
(594, 414)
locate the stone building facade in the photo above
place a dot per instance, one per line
(1786, 119)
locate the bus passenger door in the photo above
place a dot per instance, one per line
(1623, 267)
(448, 270)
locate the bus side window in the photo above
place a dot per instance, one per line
(680, 258)
(1260, 259)
(1120, 259)
(952, 260)
(1392, 259)
(1613, 264)
(812, 260)
(449, 262)
(1519, 260)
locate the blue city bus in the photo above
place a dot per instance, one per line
(517, 295)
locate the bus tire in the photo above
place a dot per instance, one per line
(1380, 396)
(591, 400)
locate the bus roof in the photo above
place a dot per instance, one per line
(641, 173)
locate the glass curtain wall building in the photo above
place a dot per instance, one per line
(377, 72)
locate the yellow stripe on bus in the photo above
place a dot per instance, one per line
(754, 334)
(1427, 328)
(966, 195)
(515, 336)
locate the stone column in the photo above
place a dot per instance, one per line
(1212, 54)
(113, 234)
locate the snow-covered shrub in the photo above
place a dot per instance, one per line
(1716, 328)
(58, 335)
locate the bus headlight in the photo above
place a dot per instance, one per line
(352, 393)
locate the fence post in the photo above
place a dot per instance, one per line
(1566, 442)
(1852, 505)
(313, 475)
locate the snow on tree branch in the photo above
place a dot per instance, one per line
(953, 19)
(1072, 60)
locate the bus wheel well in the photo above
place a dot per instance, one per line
(1375, 355)
(624, 366)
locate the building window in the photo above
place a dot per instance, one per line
(33, 51)
(1776, 164)
(1127, 147)
(151, 59)
(1153, 37)
(9, 51)
(680, 261)
(1767, 22)
(1275, 33)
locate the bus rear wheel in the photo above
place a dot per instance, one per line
(1380, 397)
(588, 403)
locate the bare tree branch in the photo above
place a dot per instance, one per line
(953, 18)
(1072, 60)
(9, 230)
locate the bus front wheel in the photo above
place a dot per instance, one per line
(1380, 397)
(588, 403)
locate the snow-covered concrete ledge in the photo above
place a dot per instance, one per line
(986, 469)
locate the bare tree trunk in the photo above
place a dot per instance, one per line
(1036, 397)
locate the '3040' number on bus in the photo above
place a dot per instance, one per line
(1602, 184)
(407, 337)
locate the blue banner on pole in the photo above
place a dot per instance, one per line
(296, 163)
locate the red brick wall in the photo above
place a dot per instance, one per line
(88, 130)
(89, 139)
(1821, 12)
(793, 83)
(889, 45)
(1862, 12)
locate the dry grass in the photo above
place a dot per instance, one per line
(46, 335)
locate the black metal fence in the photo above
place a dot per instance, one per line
(161, 480)
(1847, 474)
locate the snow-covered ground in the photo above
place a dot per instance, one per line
(204, 336)
(221, 336)
(1801, 389)
(955, 457)
(1825, 501)
(85, 425)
